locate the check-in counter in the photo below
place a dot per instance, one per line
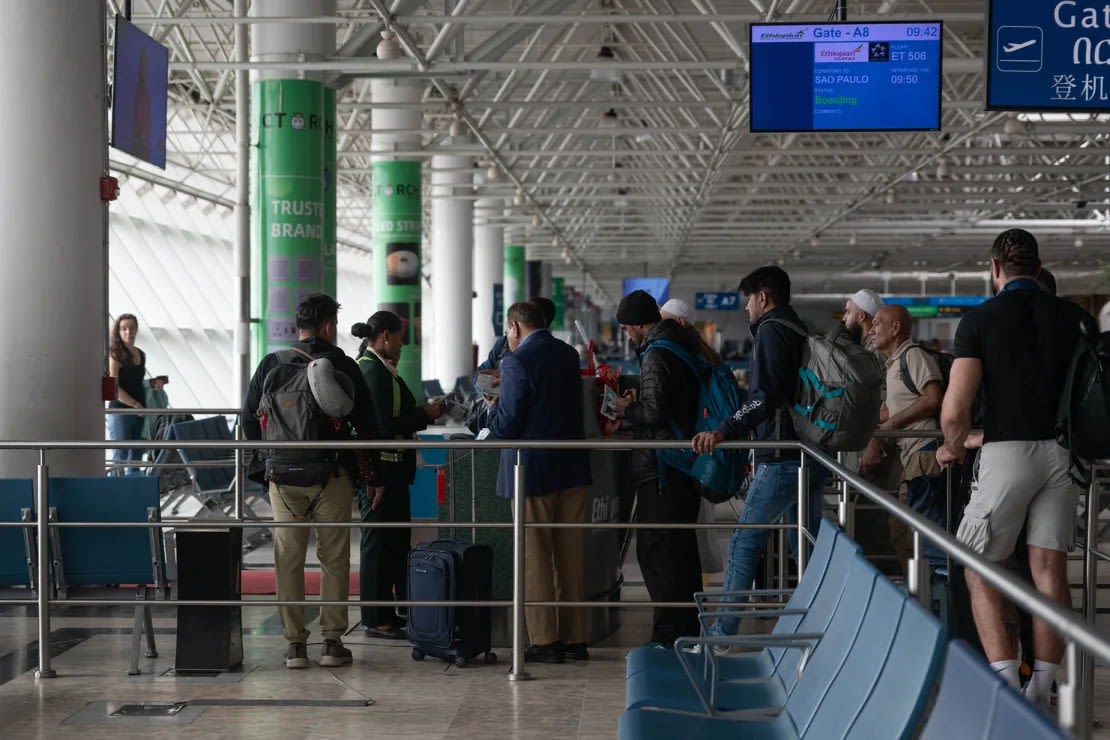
(471, 496)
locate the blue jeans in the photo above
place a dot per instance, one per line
(121, 427)
(773, 493)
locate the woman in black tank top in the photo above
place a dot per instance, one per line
(127, 364)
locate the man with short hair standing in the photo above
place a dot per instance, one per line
(325, 501)
(541, 398)
(1019, 346)
(913, 400)
(776, 357)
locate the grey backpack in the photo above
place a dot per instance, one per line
(288, 412)
(839, 391)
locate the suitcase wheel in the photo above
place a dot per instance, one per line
(461, 662)
(491, 658)
(417, 654)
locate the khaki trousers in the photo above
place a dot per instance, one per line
(554, 567)
(914, 465)
(333, 548)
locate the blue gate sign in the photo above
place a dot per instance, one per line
(1045, 56)
(717, 301)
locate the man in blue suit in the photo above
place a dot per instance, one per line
(541, 398)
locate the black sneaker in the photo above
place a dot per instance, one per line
(296, 656)
(389, 632)
(334, 654)
(552, 653)
(576, 651)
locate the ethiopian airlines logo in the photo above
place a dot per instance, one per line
(834, 53)
(780, 36)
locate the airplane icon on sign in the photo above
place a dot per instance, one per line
(1011, 48)
(1019, 49)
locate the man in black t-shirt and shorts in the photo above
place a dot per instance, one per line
(1019, 346)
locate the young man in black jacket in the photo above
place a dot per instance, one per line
(668, 394)
(317, 318)
(776, 357)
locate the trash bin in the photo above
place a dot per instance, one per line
(209, 564)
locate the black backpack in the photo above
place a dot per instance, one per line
(944, 361)
(289, 413)
(1083, 419)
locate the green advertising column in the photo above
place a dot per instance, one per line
(330, 184)
(559, 300)
(287, 207)
(514, 274)
(396, 227)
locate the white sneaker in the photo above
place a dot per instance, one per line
(717, 649)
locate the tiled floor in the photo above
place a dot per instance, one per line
(408, 699)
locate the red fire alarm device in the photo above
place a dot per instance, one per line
(109, 188)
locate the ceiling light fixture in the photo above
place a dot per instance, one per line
(518, 199)
(388, 47)
(458, 128)
(942, 169)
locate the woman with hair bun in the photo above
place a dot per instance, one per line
(384, 551)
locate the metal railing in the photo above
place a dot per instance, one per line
(1082, 642)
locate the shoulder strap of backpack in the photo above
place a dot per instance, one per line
(790, 325)
(904, 369)
(294, 351)
(675, 349)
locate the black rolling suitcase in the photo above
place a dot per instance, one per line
(447, 570)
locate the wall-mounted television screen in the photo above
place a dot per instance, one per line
(658, 287)
(845, 77)
(141, 73)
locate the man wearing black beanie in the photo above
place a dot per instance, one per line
(668, 395)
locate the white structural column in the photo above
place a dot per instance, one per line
(452, 255)
(489, 266)
(289, 42)
(53, 302)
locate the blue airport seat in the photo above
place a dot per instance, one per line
(974, 702)
(698, 689)
(900, 682)
(809, 609)
(107, 556)
(16, 497)
(870, 681)
(212, 486)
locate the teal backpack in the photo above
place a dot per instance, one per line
(721, 475)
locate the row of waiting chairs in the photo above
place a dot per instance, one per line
(89, 556)
(851, 655)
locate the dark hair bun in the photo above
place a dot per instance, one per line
(360, 330)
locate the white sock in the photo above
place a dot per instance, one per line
(1008, 670)
(1040, 685)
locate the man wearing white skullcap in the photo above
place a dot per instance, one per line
(679, 310)
(859, 313)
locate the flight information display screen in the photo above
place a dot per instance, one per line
(845, 77)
